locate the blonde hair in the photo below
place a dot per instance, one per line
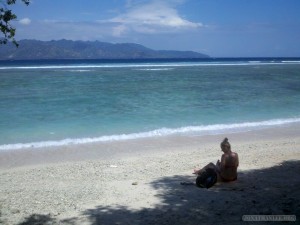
(226, 143)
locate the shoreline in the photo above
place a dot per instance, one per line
(138, 181)
(201, 130)
(112, 150)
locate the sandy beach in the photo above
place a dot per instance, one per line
(138, 181)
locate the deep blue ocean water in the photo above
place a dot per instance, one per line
(45, 103)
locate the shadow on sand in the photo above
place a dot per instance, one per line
(269, 191)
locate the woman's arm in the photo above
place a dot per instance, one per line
(223, 161)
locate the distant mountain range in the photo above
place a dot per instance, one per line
(66, 49)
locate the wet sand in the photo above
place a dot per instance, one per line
(138, 181)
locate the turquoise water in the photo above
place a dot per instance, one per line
(57, 103)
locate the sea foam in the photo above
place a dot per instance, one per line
(204, 129)
(149, 65)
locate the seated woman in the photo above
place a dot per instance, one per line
(227, 168)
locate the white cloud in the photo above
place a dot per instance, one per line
(151, 17)
(140, 17)
(118, 30)
(25, 21)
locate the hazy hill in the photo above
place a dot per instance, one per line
(66, 49)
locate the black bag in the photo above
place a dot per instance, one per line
(207, 178)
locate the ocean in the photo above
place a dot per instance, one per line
(65, 102)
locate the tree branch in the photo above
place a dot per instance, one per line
(6, 16)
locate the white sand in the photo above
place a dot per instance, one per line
(138, 182)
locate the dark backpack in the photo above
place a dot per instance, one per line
(207, 178)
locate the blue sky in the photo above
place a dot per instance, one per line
(219, 28)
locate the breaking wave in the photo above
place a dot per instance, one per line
(204, 129)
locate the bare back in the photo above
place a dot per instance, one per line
(229, 164)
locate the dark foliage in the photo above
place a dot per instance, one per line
(6, 16)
